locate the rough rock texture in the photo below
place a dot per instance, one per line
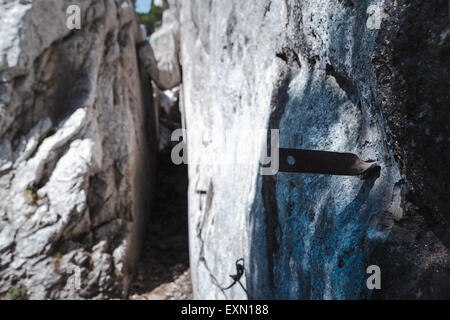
(74, 149)
(368, 77)
(179, 289)
(412, 68)
(163, 270)
(160, 54)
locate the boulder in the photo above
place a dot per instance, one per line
(160, 55)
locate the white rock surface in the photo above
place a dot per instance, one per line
(160, 56)
(73, 148)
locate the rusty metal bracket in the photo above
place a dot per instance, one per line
(325, 162)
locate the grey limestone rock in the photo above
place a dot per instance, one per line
(74, 148)
(346, 76)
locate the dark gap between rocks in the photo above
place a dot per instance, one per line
(163, 271)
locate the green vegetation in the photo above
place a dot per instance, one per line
(152, 19)
(31, 197)
(16, 294)
(29, 215)
(123, 62)
(56, 258)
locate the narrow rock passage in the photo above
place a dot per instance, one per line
(163, 272)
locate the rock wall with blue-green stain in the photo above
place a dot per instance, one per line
(331, 75)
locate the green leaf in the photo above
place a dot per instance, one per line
(152, 19)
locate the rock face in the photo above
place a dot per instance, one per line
(368, 77)
(75, 152)
(160, 55)
(77, 145)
